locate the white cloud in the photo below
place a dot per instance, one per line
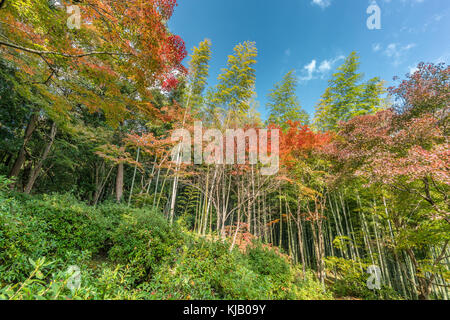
(445, 58)
(325, 66)
(322, 3)
(412, 69)
(287, 52)
(438, 17)
(396, 52)
(376, 47)
(313, 70)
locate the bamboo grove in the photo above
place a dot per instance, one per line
(365, 182)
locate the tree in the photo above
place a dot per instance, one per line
(424, 91)
(346, 97)
(236, 84)
(283, 103)
(411, 164)
(110, 65)
(305, 169)
(198, 75)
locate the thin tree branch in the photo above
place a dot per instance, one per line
(55, 53)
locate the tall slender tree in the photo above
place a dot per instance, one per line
(346, 96)
(236, 84)
(284, 104)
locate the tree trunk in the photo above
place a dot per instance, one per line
(15, 170)
(101, 186)
(424, 285)
(37, 169)
(134, 176)
(238, 221)
(119, 182)
(300, 238)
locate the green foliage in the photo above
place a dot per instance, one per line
(126, 253)
(350, 280)
(17, 103)
(73, 225)
(267, 263)
(341, 242)
(307, 287)
(346, 97)
(55, 226)
(187, 204)
(206, 270)
(237, 82)
(46, 283)
(198, 73)
(4, 183)
(283, 103)
(144, 239)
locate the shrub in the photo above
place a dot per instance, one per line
(72, 225)
(268, 263)
(207, 270)
(57, 226)
(350, 280)
(144, 239)
(106, 283)
(21, 237)
(126, 253)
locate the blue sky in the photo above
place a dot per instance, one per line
(313, 36)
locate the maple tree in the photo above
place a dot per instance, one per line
(120, 47)
(300, 154)
(425, 91)
(410, 160)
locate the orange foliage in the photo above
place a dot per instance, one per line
(246, 240)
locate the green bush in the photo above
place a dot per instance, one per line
(21, 237)
(145, 240)
(126, 253)
(56, 226)
(72, 225)
(266, 262)
(105, 283)
(207, 270)
(350, 280)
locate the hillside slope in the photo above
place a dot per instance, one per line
(48, 243)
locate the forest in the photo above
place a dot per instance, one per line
(95, 202)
